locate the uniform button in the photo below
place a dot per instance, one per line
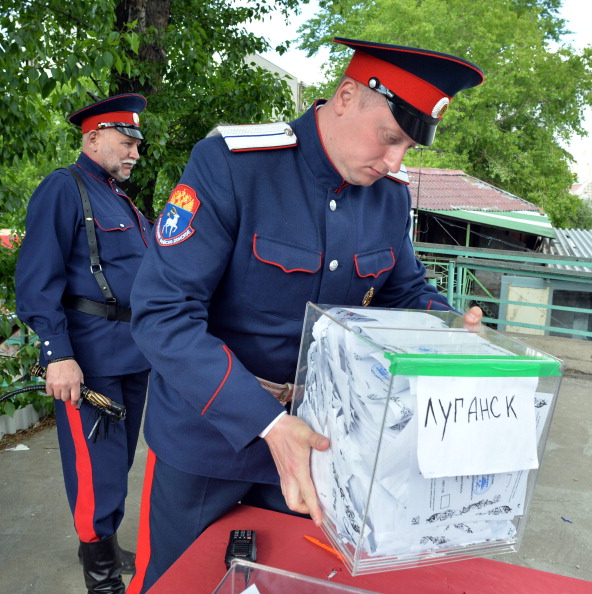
(49, 353)
(332, 205)
(46, 343)
(121, 225)
(333, 265)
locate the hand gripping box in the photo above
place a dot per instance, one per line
(436, 433)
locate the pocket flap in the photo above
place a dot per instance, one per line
(287, 256)
(374, 263)
(114, 222)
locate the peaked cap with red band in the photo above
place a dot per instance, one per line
(418, 84)
(120, 112)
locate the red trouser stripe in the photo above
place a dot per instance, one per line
(84, 509)
(144, 550)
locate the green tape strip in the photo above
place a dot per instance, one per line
(472, 365)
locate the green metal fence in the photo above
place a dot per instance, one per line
(488, 278)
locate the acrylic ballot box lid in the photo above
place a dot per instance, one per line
(254, 578)
(436, 433)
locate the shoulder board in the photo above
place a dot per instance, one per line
(401, 175)
(258, 137)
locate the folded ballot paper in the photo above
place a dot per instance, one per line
(436, 432)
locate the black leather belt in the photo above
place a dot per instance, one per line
(111, 311)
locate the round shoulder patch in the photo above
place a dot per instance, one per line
(174, 224)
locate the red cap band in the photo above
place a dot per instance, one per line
(125, 117)
(416, 91)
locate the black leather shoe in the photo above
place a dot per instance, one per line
(128, 560)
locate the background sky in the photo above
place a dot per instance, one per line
(578, 13)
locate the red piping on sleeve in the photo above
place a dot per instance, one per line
(228, 370)
(431, 301)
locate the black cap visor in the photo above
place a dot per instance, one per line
(418, 128)
(417, 125)
(127, 129)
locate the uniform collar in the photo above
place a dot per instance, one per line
(311, 146)
(93, 168)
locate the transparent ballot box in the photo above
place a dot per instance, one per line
(254, 578)
(436, 433)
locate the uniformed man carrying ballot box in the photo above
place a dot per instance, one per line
(266, 218)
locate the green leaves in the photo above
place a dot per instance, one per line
(191, 69)
(134, 41)
(189, 61)
(508, 131)
(7, 408)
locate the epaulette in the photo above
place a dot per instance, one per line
(258, 137)
(401, 176)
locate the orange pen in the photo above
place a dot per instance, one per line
(317, 542)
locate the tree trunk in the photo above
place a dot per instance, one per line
(148, 14)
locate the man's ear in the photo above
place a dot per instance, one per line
(92, 139)
(346, 95)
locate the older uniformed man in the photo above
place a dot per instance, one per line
(264, 219)
(82, 249)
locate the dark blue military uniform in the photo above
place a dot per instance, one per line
(54, 262)
(226, 303)
(246, 239)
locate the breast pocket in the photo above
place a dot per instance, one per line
(114, 235)
(371, 271)
(282, 277)
(373, 264)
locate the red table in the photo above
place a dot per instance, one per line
(280, 543)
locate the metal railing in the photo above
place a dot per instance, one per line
(482, 276)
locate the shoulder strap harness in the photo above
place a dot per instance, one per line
(109, 309)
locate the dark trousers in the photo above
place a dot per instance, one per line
(177, 507)
(96, 470)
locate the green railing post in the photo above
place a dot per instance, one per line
(450, 287)
(458, 301)
(460, 283)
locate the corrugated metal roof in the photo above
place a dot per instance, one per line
(572, 242)
(451, 189)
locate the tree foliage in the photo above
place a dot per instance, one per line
(510, 131)
(188, 57)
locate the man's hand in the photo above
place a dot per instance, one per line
(290, 441)
(63, 379)
(472, 319)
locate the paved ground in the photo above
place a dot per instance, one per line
(38, 545)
